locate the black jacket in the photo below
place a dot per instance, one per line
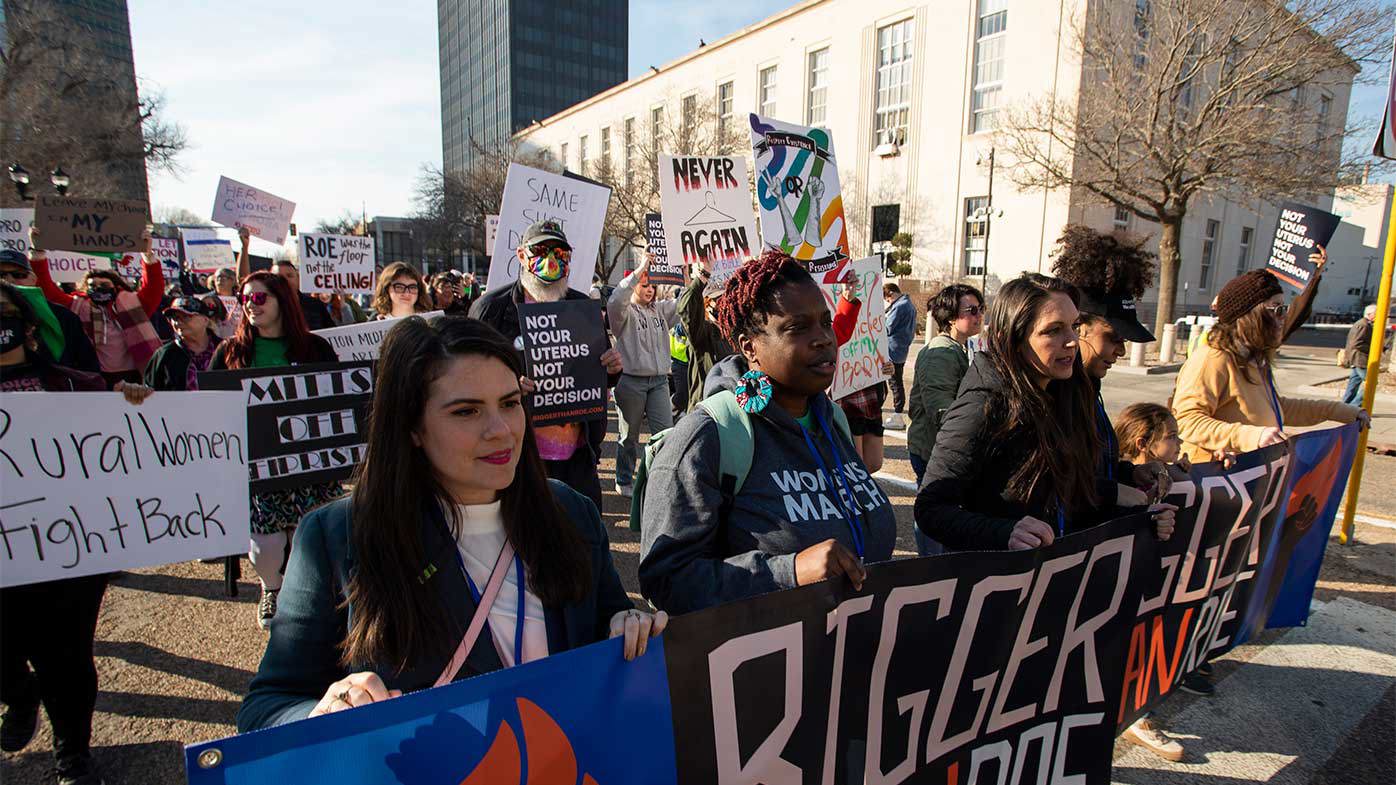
(317, 316)
(962, 502)
(500, 310)
(78, 352)
(168, 369)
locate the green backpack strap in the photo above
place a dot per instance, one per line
(735, 437)
(841, 421)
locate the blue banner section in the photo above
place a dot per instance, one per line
(559, 720)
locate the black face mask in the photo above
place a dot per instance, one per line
(12, 331)
(102, 296)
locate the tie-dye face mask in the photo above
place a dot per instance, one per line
(550, 265)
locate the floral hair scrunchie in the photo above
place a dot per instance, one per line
(754, 392)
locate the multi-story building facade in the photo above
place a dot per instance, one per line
(508, 63)
(912, 93)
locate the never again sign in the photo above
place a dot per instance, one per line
(707, 213)
(336, 263)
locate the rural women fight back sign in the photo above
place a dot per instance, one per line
(1014, 666)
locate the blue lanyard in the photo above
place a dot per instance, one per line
(519, 619)
(1274, 396)
(845, 505)
(1107, 434)
(1061, 520)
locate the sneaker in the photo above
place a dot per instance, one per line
(1143, 733)
(78, 770)
(17, 727)
(894, 422)
(1197, 684)
(1205, 669)
(266, 609)
(623, 490)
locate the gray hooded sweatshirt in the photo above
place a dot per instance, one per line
(700, 548)
(642, 333)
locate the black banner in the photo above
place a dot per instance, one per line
(1299, 231)
(563, 343)
(306, 424)
(662, 271)
(787, 139)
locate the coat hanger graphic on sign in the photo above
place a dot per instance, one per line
(709, 214)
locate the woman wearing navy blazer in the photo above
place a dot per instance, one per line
(377, 602)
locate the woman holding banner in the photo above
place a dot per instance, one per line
(1226, 399)
(273, 334)
(1015, 460)
(802, 507)
(499, 566)
(400, 292)
(48, 625)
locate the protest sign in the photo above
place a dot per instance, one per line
(532, 195)
(68, 223)
(336, 263)
(361, 341)
(798, 195)
(167, 251)
(90, 484)
(306, 424)
(266, 216)
(706, 208)
(204, 251)
(981, 667)
(234, 309)
(563, 343)
(663, 271)
(71, 267)
(491, 231)
(14, 228)
(1299, 231)
(862, 356)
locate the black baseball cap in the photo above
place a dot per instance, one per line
(543, 231)
(11, 256)
(1118, 311)
(192, 305)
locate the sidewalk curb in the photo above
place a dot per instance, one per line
(1330, 392)
(1147, 370)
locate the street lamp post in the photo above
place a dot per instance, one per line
(987, 217)
(19, 176)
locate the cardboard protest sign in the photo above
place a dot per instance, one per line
(205, 251)
(306, 424)
(361, 341)
(68, 223)
(563, 343)
(266, 216)
(1299, 231)
(90, 484)
(532, 195)
(14, 228)
(663, 271)
(862, 356)
(336, 263)
(707, 213)
(71, 267)
(798, 194)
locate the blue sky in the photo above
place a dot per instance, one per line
(334, 104)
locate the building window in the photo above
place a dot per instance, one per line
(766, 92)
(689, 118)
(893, 83)
(629, 151)
(656, 131)
(724, 112)
(562, 153)
(1187, 93)
(1209, 246)
(1121, 221)
(990, 44)
(582, 155)
(1243, 259)
(818, 99)
(976, 234)
(606, 151)
(886, 219)
(1325, 109)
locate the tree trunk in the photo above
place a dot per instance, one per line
(1169, 261)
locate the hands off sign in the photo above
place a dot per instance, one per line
(336, 263)
(266, 216)
(563, 343)
(91, 484)
(66, 223)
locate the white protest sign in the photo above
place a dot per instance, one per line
(336, 263)
(234, 309)
(71, 267)
(798, 195)
(167, 251)
(706, 208)
(491, 231)
(532, 195)
(862, 356)
(360, 341)
(205, 251)
(266, 216)
(91, 484)
(14, 228)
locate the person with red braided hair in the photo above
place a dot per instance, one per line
(807, 509)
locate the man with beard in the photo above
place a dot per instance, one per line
(570, 450)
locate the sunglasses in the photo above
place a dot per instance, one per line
(1279, 309)
(558, 252)
(972, 310)
(255, 298)
(14, 275)
(403, 288)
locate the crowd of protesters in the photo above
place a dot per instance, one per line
(1011, 445)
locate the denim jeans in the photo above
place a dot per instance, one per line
(925, 546)
(1356, 381)
(639, 398)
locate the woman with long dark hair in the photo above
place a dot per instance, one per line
(273, 334)
(1014, 462)
(452, 516)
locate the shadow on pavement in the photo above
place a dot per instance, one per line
(233, 680)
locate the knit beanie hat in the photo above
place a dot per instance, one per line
(1245, 292)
